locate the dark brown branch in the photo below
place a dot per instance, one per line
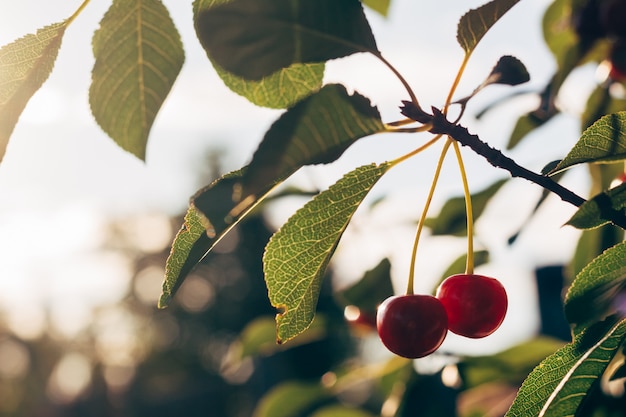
(441, 125)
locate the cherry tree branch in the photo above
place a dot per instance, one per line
(441, 125)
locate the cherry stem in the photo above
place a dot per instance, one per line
(77, 12)
(420, 225)
(456, 82)
(400, 77)
(469, 264)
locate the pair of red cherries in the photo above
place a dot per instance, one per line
(414, 326)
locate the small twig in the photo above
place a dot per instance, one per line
(441, 125)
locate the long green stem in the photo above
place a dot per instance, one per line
(420, 225)
(469, 265)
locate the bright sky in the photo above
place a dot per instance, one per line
(62, 177)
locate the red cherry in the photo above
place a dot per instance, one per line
(412, 326)
(476, 304)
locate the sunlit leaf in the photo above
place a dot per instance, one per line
(279, 90)
(475, 23)
(451, 220)
(187, 250)
(591, 296)
(25, 65)
(138, 54)
(290, 399)
(598, 210)
(559, 384)
(297, 255)
(381, 6)
(317, 130)
(592, 243)
(255, 38)
(604, 141)
(197, 237)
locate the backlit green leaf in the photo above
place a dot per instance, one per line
(279, 90)
(451, 220)
(604, 141)
(290, 399)
(317, 130)
(187, 250)
(297, 255)
(255, 38)
(475, 23)
(598, 210)
(559, 384)
(591, 296)
(138, 55)
(197, 235)
(25, 65)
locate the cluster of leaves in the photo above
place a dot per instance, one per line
(273, 52)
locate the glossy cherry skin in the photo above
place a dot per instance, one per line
(475, 304)
(412, 326)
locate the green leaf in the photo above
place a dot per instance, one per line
(524, 125)
(380, 6)
(508, 71)
(290, 399)
(259, 336)
(598, 210)
(604, 141)
(198, 236)
(475, 23)
(374, 287)
(187, 250)
(139, 55)
(558, 385)
(317, 130)
(297, 255)
(511, 365)
(279, 90)
(558, 32)
(255, 38)
(452, 217)
(591, 296)
(25, 65)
